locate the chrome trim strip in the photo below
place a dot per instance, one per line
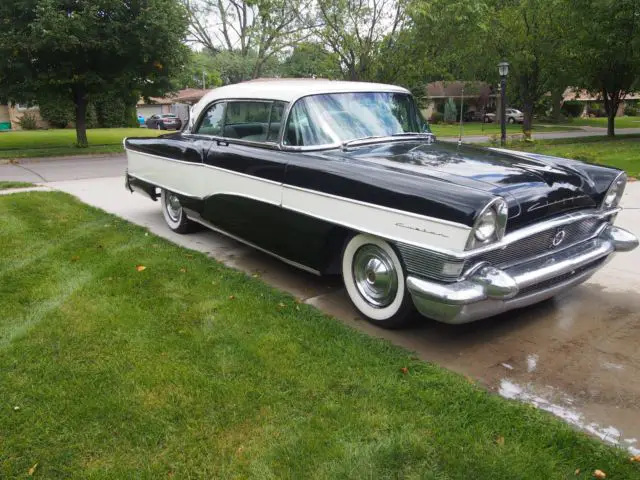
(266, 180)
(192, 215)
(506, 240)
(371, 205)
(156, 184)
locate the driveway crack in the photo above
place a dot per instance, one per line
(31, 171)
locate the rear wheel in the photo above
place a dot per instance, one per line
(174, 213)
(375, 282)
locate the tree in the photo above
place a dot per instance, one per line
(608, 44)
(357, 31)
(450, 111)
(255, 31)
(78, 49)
(311, 60)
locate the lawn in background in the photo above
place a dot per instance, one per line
(622, 152)
(125, 356)
(5, 185)
(478, 128)
(621, 122)
(46, 143)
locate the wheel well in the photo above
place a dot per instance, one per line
(334, 245)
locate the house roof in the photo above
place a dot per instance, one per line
(571, 94)
(454, 89)
(187, 95)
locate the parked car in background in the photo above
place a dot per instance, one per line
(489, 118)
(345, 178)
(514, 116)
(164, 121)
(473, 116)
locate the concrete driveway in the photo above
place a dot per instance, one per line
(576, 356)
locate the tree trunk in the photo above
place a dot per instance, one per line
(80, 99)
(556, 99)
(527, 123)
(611, 123)
(611, 102)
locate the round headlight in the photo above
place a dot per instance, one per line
(614, 194)
(486, 226)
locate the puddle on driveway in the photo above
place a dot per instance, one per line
(563, 408)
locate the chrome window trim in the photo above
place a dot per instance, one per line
(270, 145)
(336, 145)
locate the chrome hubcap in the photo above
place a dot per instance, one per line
(174, 209)
(375, 276)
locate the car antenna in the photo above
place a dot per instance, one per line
(461, 110)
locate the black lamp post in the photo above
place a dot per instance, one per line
(503, 68)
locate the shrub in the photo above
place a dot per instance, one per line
(436, 118)
(572, 108)
(450, 111)
(28, 121)
(596, 110)
(631, 111)
(58, 112)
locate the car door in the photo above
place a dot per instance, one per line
(244, 170)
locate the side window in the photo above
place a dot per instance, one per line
(247, 121)
(275, 121)
(211, 123)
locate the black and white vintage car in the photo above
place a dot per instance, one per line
(346, 178)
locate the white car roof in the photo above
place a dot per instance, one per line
(288, 90)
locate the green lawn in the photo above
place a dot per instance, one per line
(188, 369)
(621, 152)
(46, 143)
(621, 122)
(5, 185)
(477, 128)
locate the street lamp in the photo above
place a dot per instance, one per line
(503, 68)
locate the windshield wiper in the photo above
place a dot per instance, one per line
(347, 143)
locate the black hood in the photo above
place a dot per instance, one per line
(534, 186)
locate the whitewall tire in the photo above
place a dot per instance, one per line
(174, 213)
(375, 282)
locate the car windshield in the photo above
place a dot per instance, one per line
(329, 119)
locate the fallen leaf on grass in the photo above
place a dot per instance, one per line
(256, 275)
(32, 470)
(232, 297)
(404, 370)
(75, 258)
(577, 472)
(140, 268)
(16, 408)
(500, 441)
(281, 305)
(599, 474)
(635, 458)
(183, 270)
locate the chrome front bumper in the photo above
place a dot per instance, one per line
(488, 291)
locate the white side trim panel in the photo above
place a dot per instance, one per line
(383, 222)
(200, 181)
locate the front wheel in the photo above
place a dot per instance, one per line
(174, 213)
(512, 120)
(374, 279)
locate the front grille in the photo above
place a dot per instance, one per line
(429, 264)
(560, 278)
(541, 243)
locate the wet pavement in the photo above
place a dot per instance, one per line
(577, 356)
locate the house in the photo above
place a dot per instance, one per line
(11, 114)
(177, 103)
(589, 99)
(478, 96)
